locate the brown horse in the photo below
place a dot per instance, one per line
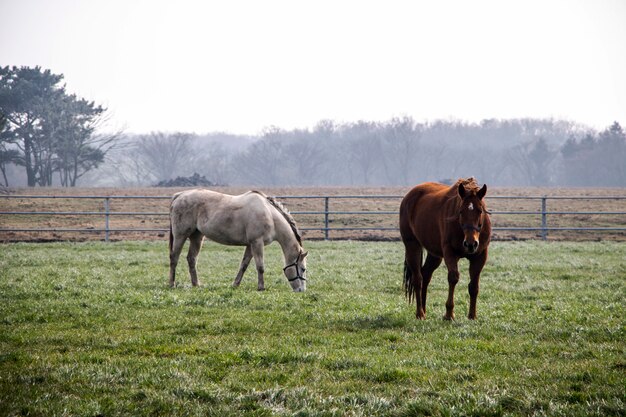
(449, 222)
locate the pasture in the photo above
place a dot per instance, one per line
(92, 329)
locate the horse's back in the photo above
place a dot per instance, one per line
(224, 218)
(424, 199)
(212, 199)
(193, 200)
(422, 211)
(187, 206)
(426, 189)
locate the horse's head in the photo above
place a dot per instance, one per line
(296, 272)
(472, 216)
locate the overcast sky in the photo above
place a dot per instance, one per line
(241, 66)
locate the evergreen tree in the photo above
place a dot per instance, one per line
(50, 130)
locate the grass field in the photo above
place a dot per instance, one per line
(91, 329)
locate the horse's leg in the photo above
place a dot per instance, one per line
(195, 244)
(413, 259)
(175, 248)
(257, 252)
(432, 263)
(475, 267)
(453, 278)
(247, 256)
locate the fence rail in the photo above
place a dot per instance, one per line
(360, 206)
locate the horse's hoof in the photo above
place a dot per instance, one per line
(260, 289)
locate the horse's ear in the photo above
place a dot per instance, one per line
(304, 254)
(481, 193)
(461, 190)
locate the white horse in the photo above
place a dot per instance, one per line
(253, 220)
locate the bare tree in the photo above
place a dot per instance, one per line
(163, 155)
(362, 150)
(306, 155)
(400, 140)
(533, 161)
(263, 163)
(215, 163)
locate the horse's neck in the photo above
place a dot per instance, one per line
(286, 238)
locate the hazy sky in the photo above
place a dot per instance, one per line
(240, 66)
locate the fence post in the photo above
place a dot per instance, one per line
(326, 237)
(544, 219)
(106, 219)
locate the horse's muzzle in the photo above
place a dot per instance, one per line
(470, 247)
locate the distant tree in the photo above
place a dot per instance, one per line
(612, 156)
(215, 163)
(400, 143)
(362, 151)
(596, 159)
(325, 130)
(533, 161)
(306, 156)
(577, 155)
(162, 156)
(264, 162)
(7, 156)
(24, 95)
(78, 148)
(51, 130)
(123, 167)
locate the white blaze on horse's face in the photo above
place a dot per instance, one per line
(470, 219)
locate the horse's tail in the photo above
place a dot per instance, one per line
(409, 288)
(171, 237)
(174, 197)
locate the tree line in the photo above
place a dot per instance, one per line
(54, 138)
(400, 151)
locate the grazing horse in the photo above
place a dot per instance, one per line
(253, 220)
(449, 222)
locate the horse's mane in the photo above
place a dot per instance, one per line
(470, 184)
(283, 210)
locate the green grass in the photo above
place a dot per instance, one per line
(91, 329)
